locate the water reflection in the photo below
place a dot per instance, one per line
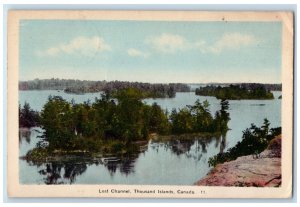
(127, 166)
(191, 148)
(65, 171)
(179, 147)
(223, 143)
(24, 135)
(124, 165)
(197, 145)
(62, 173)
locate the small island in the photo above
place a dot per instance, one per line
(236, 92)
(114, 125)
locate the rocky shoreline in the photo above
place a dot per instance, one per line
(263, 170)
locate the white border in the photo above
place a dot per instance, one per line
(189, 7)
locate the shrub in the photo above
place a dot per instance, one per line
(254, 141)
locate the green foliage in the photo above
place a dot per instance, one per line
(28, 117)
(57, 118)
(158, 120)
(254, 141)
(37, 153)
(197, 118)
(116, 120)
(182, 121)
(236, 92)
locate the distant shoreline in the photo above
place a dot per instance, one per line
(188, 83)
(158, 89)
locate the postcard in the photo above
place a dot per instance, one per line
(150, 104)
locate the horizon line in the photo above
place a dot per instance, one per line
(212, 82)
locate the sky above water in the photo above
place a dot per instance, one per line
(151, 51)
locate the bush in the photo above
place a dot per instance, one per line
(254, 141)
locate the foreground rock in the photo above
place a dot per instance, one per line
(259, 171)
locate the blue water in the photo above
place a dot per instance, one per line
(168, 163)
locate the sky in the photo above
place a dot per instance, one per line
(151, 51)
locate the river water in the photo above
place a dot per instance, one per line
(164, 163)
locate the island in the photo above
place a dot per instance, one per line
(113, 125)
(236, 92)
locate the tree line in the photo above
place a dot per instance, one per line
(249, 86)
(236, 92)
(155, 90)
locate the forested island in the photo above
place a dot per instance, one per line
(148, 90)
(111, 125)
(236, 92)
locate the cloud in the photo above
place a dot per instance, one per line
(201, 45)
(172, 43)
(80, 45)
(137, 53)
(167, 43)
(230, 41)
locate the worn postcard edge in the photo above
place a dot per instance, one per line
(15, 189)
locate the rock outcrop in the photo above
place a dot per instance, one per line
(263, 170)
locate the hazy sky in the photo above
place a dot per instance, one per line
(151, 51)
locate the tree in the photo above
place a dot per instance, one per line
(57, 121)
(202, 117)
(224, 115)
(28, 117)
(158, 121)
(265, 127)
(182, 122)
